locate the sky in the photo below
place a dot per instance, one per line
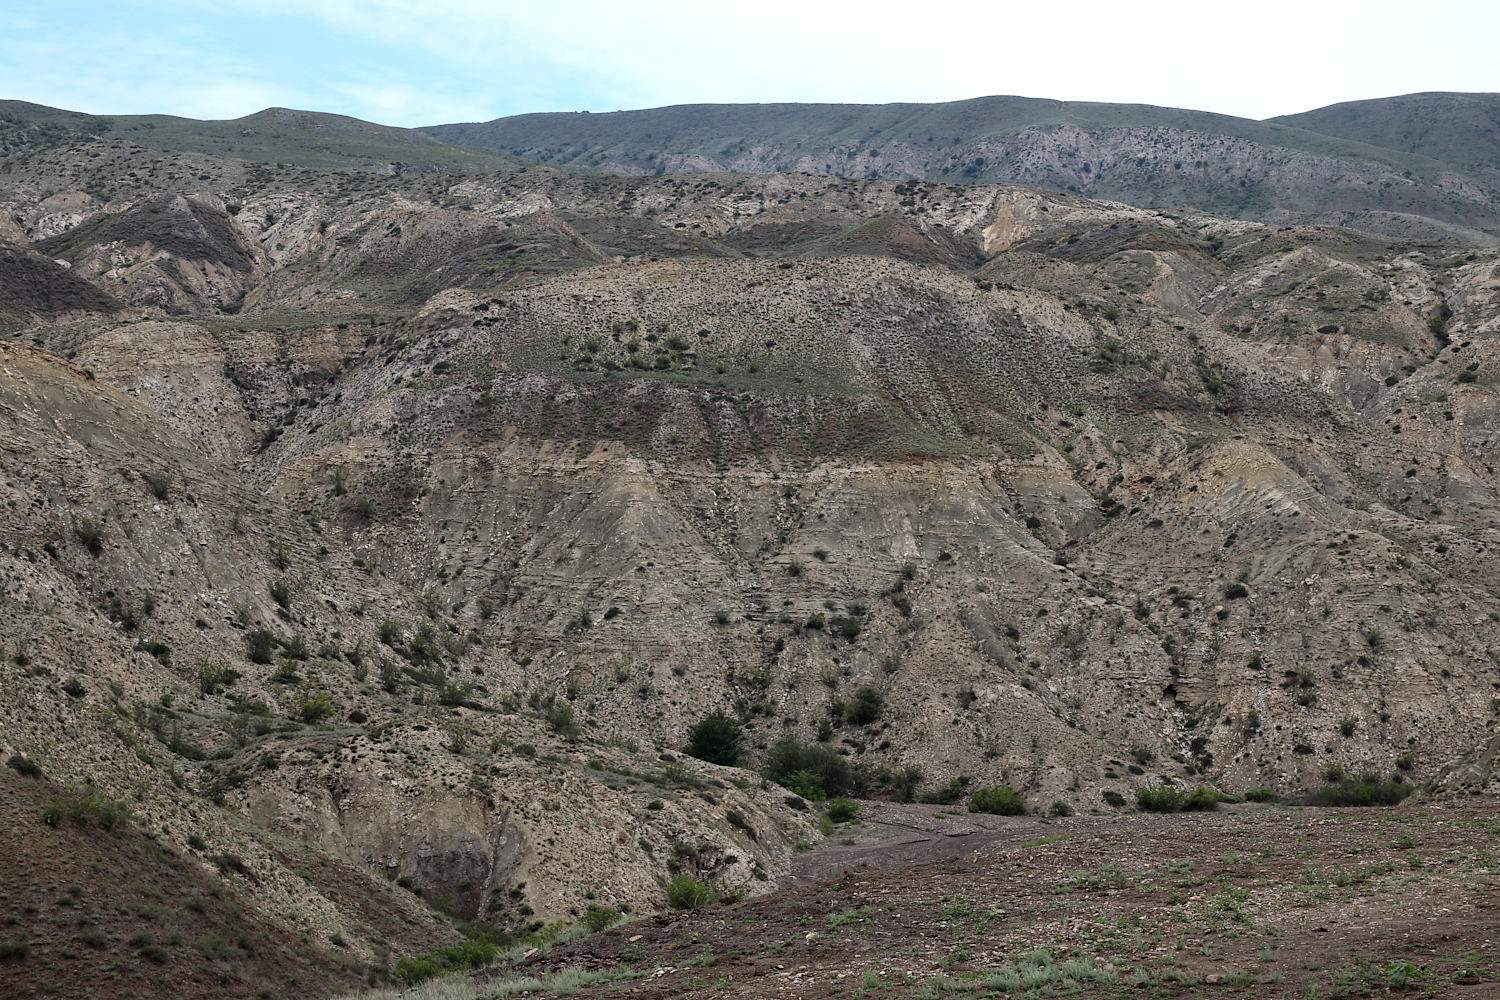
(427, 62)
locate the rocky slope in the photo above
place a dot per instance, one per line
(370, 528)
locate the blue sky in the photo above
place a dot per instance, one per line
(410, 62)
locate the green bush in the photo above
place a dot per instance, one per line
(716, 739)
(469, 954)
(842, 810)
(808, 784)
(24, 766)
(1365, 790)
(214, 675)
(1260, 793)
(260, 645)
(789, 757)
(91, 533)
(1113, 798)
(864, 708)
(560, 720)
(312, 703)
(160, 483)
(86, 804)
(687, 893)
(1163, 799)
(598, 918)
(997, 800)
(945, 795)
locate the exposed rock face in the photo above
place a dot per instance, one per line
(489, 488)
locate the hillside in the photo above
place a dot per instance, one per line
(1458, 129)
(275, 135)
(376, 539)
(1284, 170)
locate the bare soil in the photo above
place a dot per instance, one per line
(1260, 900)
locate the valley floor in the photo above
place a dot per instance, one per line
(1256, 901)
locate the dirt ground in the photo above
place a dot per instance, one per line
(1263, 901)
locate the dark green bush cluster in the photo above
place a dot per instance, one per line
(469, 954)
(998, 800)
(813, 772)
(260, 645)
(1261, 794)
(24, 765)
(716, 739)
(1163, 799)
(862, 709)
(1364, 790)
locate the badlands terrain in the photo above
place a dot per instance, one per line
(380, 516)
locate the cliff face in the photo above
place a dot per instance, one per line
(408, 531)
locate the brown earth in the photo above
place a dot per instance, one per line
(1256, 901)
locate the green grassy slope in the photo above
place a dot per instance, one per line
(275, 135)
(1459, 129)
(717, 129)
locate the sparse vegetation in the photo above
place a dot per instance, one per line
(86, 804)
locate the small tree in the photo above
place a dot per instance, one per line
(716, 739)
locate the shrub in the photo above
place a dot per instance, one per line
(90, 532)
(1161, 798)
(885, 782)
(281, 592)
(312, 703)
(945, 795)
(1113, 798)
(997, 800)
(598, 918)
(86, 804)
(1365, 790)
(864, 708)
(24, 765)
(469, 954)
(260, 645)
(14, 951)
(560, 719)
(842, 810)
(716, 739)
(789, 757)
(1261, 794)
(160, 483)
(687, 893)
(215, 675)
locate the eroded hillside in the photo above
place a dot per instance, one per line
(392, 531)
